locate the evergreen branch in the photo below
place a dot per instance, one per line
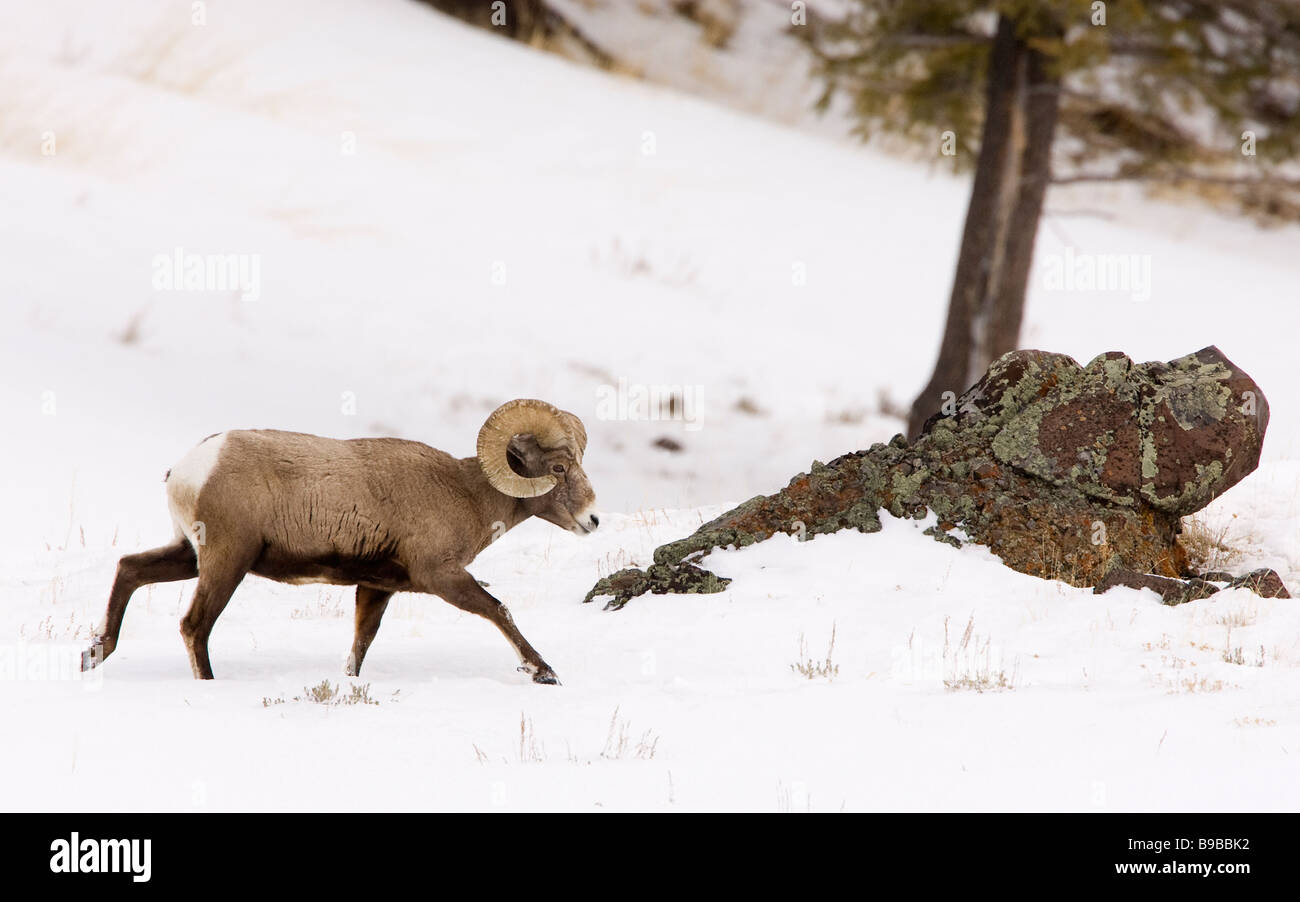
(1180, 175)
(919, 41)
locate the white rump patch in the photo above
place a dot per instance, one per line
(185, 482)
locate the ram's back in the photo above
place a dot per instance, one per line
(312, 509)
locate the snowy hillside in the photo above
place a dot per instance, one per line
(432, 220)
(744, 54)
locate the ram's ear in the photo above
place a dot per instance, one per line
(524, 455)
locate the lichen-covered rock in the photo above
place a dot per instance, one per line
(682, 579)
(1065, 472)
(1171, 435)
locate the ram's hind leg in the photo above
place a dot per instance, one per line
(161, 565)
(220, 572)
(370, 610)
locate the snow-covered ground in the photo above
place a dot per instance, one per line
(746, 54)
(438, 220)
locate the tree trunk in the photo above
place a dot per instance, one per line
(988, 208)
(1041, 104)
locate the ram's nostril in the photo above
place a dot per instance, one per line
(595, 521)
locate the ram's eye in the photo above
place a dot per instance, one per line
(558, 468)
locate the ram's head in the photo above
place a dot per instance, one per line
(532, 450)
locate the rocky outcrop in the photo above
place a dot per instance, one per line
(1172, 436)
(1264, 582)
(1065, 472)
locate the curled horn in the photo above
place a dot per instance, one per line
(550, 425)
(577, 430)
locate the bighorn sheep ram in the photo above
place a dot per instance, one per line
(382, 514)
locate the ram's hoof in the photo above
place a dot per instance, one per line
(547, 677)
(92, 657)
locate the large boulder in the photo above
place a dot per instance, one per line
(1064, 471)
(1173, 436)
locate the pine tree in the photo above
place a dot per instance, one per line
(1200, 94)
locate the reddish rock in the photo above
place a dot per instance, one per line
(1264, 582)
(1173, 436)
(1171, 591)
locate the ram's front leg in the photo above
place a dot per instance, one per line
(463, 591)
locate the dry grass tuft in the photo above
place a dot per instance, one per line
(1253, 722)
(825, 668)
(1194, 684)
(1207, 548)
(530, 750)
(973, 664)
(327, 694)
(619, 743)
